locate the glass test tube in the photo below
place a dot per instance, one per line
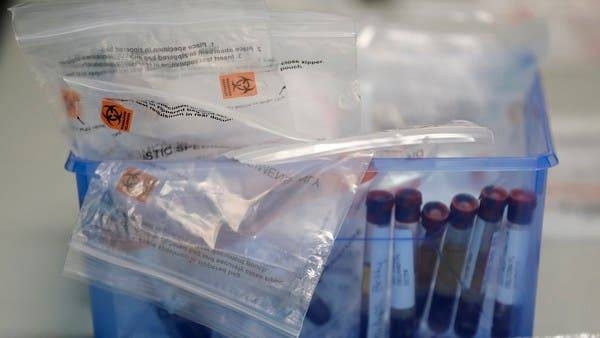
(521, 205)
(434, 218)
(379, 214)
(462, 215)
(491, 210)
(407, 214)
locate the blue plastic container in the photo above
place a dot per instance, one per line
(524, 167)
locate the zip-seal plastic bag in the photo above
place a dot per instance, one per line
(155, 229)
(266, 270)
(139, 79)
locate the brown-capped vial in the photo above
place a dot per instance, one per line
(512, 274)
(434, 218)
(407, 214)
(492, 202)
(462, 214)
(375, 311)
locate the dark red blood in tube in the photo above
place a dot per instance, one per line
(462, 214)
(402, 326)
(492, 202)
(434, 218)
(467, 317)
(379, 212)
(502, 321)
(402, 316)
(521, 207)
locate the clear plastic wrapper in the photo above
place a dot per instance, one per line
(142, 78)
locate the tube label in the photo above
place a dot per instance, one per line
(379, 253)
(492, 261)
(473, 252)
(403, 272)
(513, 265)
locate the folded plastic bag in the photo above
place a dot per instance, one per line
(155, 229)
(141, 75)
(267, 270)
(394, 141)
(190, 201)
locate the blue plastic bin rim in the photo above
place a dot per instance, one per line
(81, 166)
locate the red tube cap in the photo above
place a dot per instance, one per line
(434, 216)
(521, 205)
(379, 207)
(492, 202)
(463, 210)
(408, 205)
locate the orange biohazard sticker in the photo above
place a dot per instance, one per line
(115, 115)
(137, 184)
(238, 85)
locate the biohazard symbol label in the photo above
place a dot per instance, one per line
(137, 184)
(115, 115)
(238, 85)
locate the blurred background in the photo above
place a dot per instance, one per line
(38, 198)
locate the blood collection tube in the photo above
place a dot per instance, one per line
(521, 206)
(379, 215)
(462, 214)
(434, 218)
(407, 214)
(492, 203)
